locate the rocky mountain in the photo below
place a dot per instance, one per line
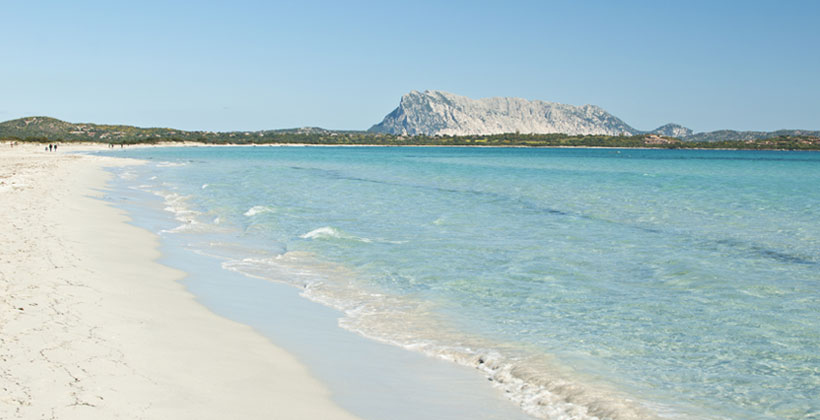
(435, 112)
(672, 130)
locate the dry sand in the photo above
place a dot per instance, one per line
(91, 327)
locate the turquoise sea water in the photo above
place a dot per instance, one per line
(602, 283)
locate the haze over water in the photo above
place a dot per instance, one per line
(609, 283)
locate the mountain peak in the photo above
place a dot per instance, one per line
(434, 112)
(673, 130)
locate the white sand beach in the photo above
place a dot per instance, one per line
(91, 327)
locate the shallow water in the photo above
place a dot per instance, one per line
(370, 379)
(584, 283)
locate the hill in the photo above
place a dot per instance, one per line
(46, 129)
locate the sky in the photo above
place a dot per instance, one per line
(252, 65)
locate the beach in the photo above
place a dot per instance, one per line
(405, 283)
(578, 283)
(92, 327)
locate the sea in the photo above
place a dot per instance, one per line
(573, 283)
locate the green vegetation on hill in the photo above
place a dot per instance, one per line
(732, 135)
(45, 129)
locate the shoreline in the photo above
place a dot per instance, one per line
(99, 146)
(533, 396)
(226, 300)
(371, 377)
(94, 327)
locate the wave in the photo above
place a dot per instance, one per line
(204, 186)
(328, 232)
(177, 204)
(170, 164)
(253, 211)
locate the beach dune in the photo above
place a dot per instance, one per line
(92, 327)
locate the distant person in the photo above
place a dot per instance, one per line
(49, 147)
(55, 147)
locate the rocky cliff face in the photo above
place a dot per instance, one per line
(437, 112)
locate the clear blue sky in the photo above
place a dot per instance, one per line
(247, 65)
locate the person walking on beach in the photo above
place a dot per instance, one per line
(49, 147)
(55, 147)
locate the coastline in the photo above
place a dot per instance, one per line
(88, 146)
(469, 385)
(93, 327)
(466, 146)
(370, 377)
(206, 283)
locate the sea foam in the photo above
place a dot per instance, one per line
(253, 211)
(170, 164)
(328, 232)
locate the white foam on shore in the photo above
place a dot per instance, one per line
(178, 205)
(538, 384)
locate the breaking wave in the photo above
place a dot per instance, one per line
(253, 211)
(170, 164)
(328, 232)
